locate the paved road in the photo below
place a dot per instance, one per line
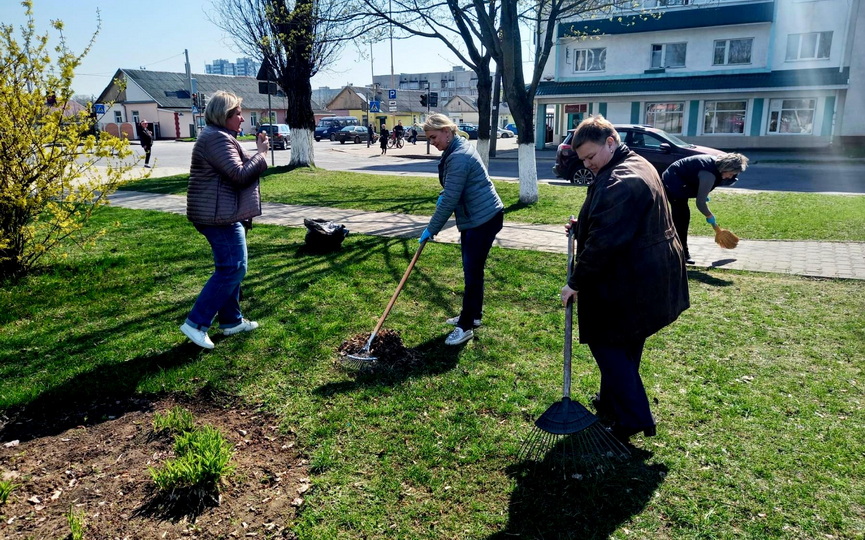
(780, 173)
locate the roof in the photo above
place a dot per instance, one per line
(693, 17)
(171, 90)
(793, 78)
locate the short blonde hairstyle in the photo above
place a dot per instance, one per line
(731, 162)
(594, 129)
(221, 106)
(439, 121)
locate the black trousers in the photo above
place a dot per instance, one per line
(622, 391)
(681, 220)
(476, 244)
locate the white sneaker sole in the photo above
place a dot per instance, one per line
(187, 331)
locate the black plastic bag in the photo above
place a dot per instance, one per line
(323, 236)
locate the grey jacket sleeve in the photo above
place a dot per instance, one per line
(455, 175)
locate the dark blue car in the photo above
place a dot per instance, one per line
(471, 129)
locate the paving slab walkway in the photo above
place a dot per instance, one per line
(805, 258)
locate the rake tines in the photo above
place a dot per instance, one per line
(568, 437)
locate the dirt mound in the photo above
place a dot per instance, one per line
(387, 347)
(99, 469)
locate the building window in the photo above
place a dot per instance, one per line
(808, 46)
(589, 59)
(792, 116)
(724, 117)
(666, 116)
(118, 117)
(253, 119)
(733, 51)
(668, 55)
(665, 3)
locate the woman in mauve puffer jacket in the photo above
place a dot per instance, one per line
(223, 193)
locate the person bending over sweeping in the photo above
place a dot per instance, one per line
(468, 192)
(629, 278)
(693, 178)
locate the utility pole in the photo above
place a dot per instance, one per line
(427, 113)
(494, 136)
(189, 85)
(390, 14)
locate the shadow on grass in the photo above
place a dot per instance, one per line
(548, 505)
(431, 357)
(708, 278)
(90, 397)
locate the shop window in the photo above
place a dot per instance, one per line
(666, 116)
(792, 116)
(724, 117)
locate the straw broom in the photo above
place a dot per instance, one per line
(724, 238)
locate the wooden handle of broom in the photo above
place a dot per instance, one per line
(569, 317)
(396, 292)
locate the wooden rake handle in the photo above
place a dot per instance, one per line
(396, 292)
(569, 317)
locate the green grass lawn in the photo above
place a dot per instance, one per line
(755, 216)
(758, 388)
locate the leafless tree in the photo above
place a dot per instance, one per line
(456, 26)
(297, 38)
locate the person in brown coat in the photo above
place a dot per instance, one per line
(629, 278)
(223, 192)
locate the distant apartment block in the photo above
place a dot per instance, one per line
(457, 82)
(242, 67)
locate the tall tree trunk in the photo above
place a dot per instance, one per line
(518, 100)
(485, 93)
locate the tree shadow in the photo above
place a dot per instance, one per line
(91, 397)
(546, 505)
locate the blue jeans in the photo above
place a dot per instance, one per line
(622, 390)
(221, 294)
(476, 244)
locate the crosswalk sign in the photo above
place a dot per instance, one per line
(375, 106)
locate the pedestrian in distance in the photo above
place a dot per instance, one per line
(412, 134)
(695, 177)
(369, 132)
(382, 139)
(629, 278)
(146, 137)
(223, 193)
(399, 130)
(468, 192)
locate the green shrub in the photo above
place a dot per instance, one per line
(6, 489)
(202, 460)
(177, 420)
(75, 519)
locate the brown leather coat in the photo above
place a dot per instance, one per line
(223, 180)
(629, 268)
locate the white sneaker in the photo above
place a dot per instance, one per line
(454, 320)
(244, 326)
(459, 336)
(199, 337)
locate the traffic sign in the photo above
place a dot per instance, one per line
(375, 106)
(99, 108)
(391, 105)
(391, 94)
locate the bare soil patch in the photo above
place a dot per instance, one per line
(95, 459)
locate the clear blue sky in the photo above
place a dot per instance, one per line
(153, 34)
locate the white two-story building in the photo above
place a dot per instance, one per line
(732, 74)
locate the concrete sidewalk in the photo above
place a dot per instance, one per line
(817, 259)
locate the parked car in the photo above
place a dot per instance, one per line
(471, 129)
(355, 134)
(280, 135)
(328, 126)
(506, 133)
(512, 128)
(659, 148)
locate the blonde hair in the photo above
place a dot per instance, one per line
(439, 121)
(220, 107)
(732, 162)
(594, 129)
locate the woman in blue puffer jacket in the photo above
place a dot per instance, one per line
(469, 193)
